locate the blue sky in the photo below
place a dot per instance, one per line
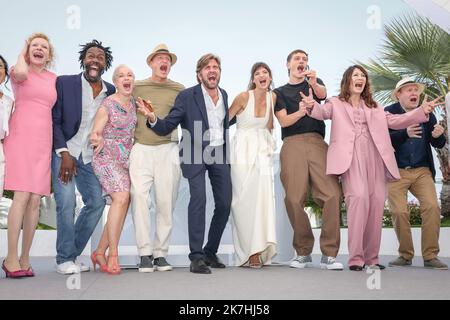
(335, 34)
(240, 32)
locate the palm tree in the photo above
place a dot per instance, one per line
(415, 47)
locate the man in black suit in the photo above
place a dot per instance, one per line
(202, 112)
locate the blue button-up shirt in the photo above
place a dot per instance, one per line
(413, 153)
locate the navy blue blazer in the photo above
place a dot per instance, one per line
(67, 110)
(190, 112)
(398, 137)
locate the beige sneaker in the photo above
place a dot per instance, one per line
(435, 264)
(400, 262)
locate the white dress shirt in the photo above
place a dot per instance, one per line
(80, 144)
(216, 117)
(6, 106)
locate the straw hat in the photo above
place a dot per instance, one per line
(161, 48)
(403, 83)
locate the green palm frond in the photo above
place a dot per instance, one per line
(414, 47)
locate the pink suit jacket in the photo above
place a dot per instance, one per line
(343, 133)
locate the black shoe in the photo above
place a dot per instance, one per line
(214, 262)
(161, 264)
(199, 266)
(356, 268)
(375, 266)
(146, 264)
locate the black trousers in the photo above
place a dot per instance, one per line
(219, 175)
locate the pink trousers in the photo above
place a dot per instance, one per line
(364, 186)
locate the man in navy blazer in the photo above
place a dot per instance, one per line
(79, 97)
(416, 165)
(202, 112)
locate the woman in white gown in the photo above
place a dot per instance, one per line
(252, 148)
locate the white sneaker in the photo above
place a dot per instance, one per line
(329, 263)
(301, 262)
(82, 266)
(67, 268)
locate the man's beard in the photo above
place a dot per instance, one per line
(211, 86)
(90, 78)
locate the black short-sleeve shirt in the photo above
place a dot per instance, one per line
(288, 97)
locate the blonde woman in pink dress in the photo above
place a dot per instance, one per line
(28, 148)
(112, 138)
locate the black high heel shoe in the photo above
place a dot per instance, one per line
(380, 266)
(356, 268)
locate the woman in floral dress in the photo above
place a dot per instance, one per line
(112, 139)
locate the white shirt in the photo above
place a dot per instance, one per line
(80, 144)
(216, 116)
(6, 106)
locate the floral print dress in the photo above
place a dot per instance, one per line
(111, 164)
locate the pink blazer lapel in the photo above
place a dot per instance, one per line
(349, 110)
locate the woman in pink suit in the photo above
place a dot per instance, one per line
(361, 153)
(28, 148)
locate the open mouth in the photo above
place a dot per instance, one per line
(38, 55)
(359, 85)
(164, 68)
(127, 86)
(93, 70)
(263, 83)
(301, 68)
(414, 100)
(212, 78)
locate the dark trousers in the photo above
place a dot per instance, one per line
(219, 175)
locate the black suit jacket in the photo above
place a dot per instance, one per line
(398, 137)
(190, 112)
(67, 111)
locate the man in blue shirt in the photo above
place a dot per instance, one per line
(415, 161)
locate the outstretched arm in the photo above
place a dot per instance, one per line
(316, 110)
(164, 126)
(420, 115)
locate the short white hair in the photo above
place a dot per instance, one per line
(117, 69)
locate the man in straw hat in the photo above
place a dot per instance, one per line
(415, 161)
(154, 162)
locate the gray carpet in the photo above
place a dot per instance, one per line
(269, 283)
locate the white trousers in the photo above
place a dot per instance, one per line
(157, 166)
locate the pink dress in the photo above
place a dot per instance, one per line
(112, 163)
(28, 146)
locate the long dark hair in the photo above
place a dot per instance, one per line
(6, 69)
(256, 66)
(346, 81)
